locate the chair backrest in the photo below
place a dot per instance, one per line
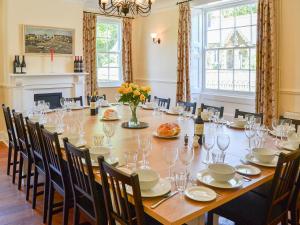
(220, 109)
(296, 196)
(189, 105)
(163, 102)
(12, 138)
(22, 135)
(88, 98)
(54, 157)
(75, 99)
(82, 178)
(285, 177)
(243, 114)
(121, 211)
(295, 122)
(149, 98)
(36, 141)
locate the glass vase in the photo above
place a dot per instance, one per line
(133, 122)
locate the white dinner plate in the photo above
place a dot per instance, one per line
(147, 108)
(110, 119)
(234, 125)
(247, 170)
(253, 160)
(277, 134)
(170, 112)
(200, 194)
(161, 188)
(155, 134)
(288, 145)
(205, 178)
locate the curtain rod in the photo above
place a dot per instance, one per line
(102, 14)
(178, 3)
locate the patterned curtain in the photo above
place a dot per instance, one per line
(126, 50)
(267, 76)
(183, 53)
(89, 52)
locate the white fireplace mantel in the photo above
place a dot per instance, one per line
(22, 87)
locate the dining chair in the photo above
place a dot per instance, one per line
(149, 98)
(189, 105)
(255, 209)
(118, 208)
(163, 102)
(243, 114)
(88, 196)
(295, 205)
(13, 147)
(75, 99)
(88, 98)
(219, 109)
(24, 152)
(40, 165)
(294, 121)
(59, 176)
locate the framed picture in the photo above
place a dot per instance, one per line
(40, 40)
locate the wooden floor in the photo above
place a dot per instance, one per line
(15, 210)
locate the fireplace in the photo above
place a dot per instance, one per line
(53, 98)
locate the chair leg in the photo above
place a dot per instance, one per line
(284, 220)
(76, 215)
(9, 159)
(15, 160)
(28, 178)
(20, 172)
(50, 204)
(66, 210)
(210, 218)
(295, 217)
(34, 189)
(46, 194)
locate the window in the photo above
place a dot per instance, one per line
(228, 39)
(108, 50)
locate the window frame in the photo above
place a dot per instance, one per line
(110, 83)
(202, 73)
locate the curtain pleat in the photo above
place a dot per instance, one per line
(127, 50)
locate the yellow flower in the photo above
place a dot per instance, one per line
(143, 88)
(136, 93)
(142, 97)
(125, 85)
(129, 90)
(121, 90)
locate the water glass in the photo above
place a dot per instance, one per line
(145, 146)
(218, 156)
(131, 157)
(186, 156)
(109, 131)
(250, 133)
(181, 181)
(208, 141)
(170, 155)
(98, 140)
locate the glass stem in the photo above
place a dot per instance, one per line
(170, 171)
(207, 157)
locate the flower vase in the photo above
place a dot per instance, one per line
(133, 122)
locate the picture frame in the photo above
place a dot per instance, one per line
(41, 39)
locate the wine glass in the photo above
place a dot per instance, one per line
(109, 131)
(223, 141)
(186, 156)
(250, 119)
(170, 156)
(249, 132)
(145, 145)
(117, 98)
(208, 141)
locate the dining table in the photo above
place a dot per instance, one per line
(179, 209)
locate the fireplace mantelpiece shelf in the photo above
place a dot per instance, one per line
(47, 74)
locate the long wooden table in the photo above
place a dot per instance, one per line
(178, 209)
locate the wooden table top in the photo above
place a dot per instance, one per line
(179, 209)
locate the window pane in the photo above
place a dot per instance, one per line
(213, 20)
(101, 45)
(243, 36)
(101, 30)
(102, 73)
(112, 31)
(211, 81)
(102, 60)
(254, 13)
(226, 59)
(227, 18)
(226, 80)
(212, 59)
(241, 80)
(253, 81)
(113, 60)
(241, 59)
(228, 39)
(213, 39)
(254, 35)
(114, 74)
(243, 15)
(253, 59)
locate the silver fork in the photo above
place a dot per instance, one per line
(170, 195)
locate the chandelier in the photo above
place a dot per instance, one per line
(125, 7)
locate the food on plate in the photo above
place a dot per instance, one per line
(110, 114)
(168, 130)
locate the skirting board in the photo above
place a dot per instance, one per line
(3, 137)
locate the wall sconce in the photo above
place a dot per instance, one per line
(155, 39)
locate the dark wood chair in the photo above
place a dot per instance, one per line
(13, 147)
(40, 165)
(122, 212)
(88, 196)
(255, 209)
(24, 150)
(295, 205)
(189, 105)
(219, 109)
(59, 177)
(75, 99)
(243, 114)
(163, 102)
(295, 122)
(88, 98)
(149, 98)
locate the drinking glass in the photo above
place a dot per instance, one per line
(109, 131)
(170, 156)
(181, 107)
(145, 145)
(98, 140)
(186, 156)
(131, 157)
(62, 102)
(156, 111)
(250, 119)
(277, 129)
(208, 141)
(223, 141)
(59, 114)
(218, 156)
(181, 181)
(249, 132)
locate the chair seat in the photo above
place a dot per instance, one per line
(248, 209)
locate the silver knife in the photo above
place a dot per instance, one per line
(164, 199)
